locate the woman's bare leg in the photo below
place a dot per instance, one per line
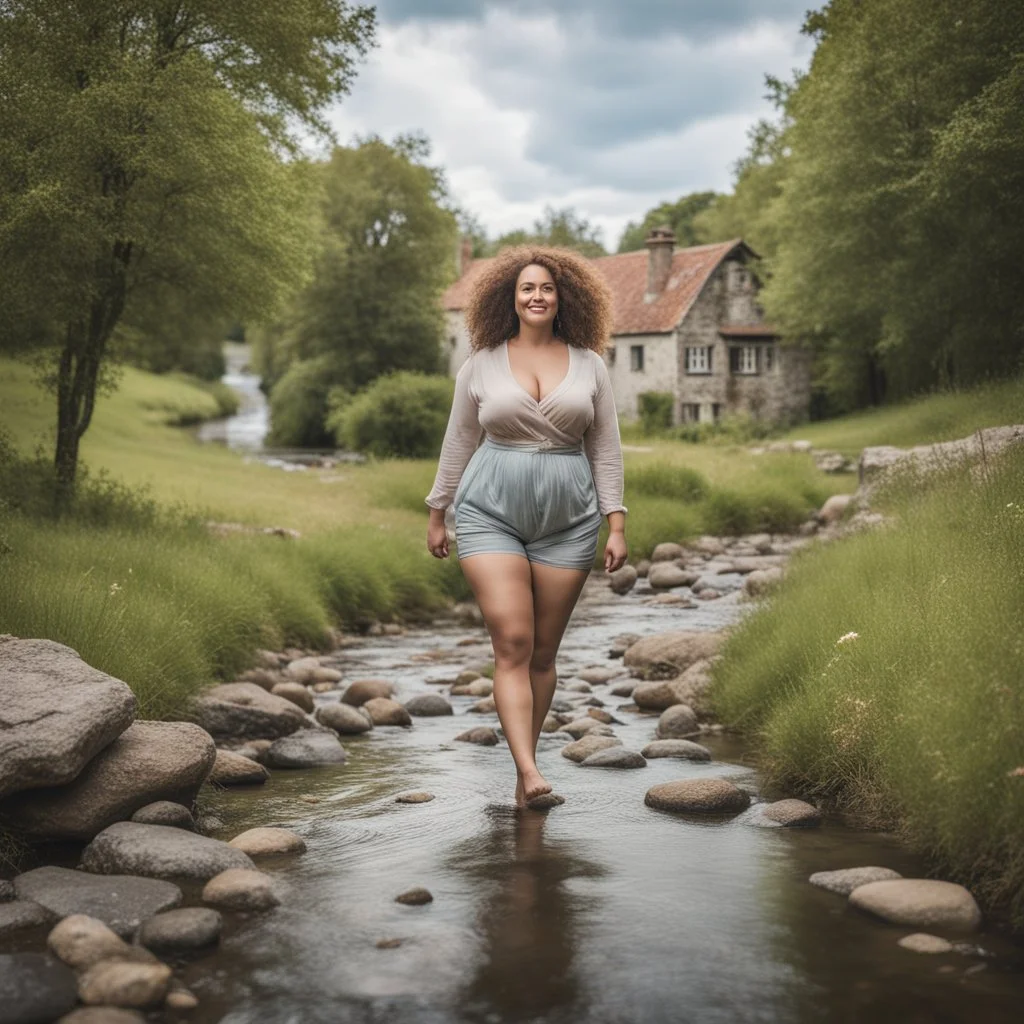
(502, 585)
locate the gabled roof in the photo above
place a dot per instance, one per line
(626, 274)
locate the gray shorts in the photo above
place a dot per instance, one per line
(536, 500)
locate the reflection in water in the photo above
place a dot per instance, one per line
(529, 921)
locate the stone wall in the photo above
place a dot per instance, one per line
(660, 372)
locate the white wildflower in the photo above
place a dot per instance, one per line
(114, 588)
(846, 638)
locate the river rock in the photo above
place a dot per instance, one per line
(360, 691)
(656, 696)
(165, 812)
(149, 761)
(684, 749)
(296, 693)
(692, 687)
(587, 746)
(482, 735)
(245, 711)
(623, 690)
(264, 677)
(551, 724)
(602, 716)
(614, 757)
(119, 983)
(157, 851)
(81, 941)
(708, 545)
(623, 580)
(35, 988)
(119, 901)
(56, 714)
(304, 670)
(18, 914)
(419, 797)
(486, 706)
(7, 892)
(467, 676)
(103, 1015)
(667, 551)
(428, 705)
(620, 644)
(587, 726)
(919, 903)
(181, 931)
(180, 998)
(666, 655)
(663, 575)
(384, 711)
(845, 880)
(922, 942)
(233, 769)
(834, 508)
(267, 841)
(241, 889)
(762, 581)
(305, 750)
(705, 796)
(678, 722)
(791, 813)
(343, 718)
(598, 674)
(415, 897)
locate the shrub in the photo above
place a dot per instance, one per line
(400, 414)
(732, 428)
(298, 405)
(655, 408)
(665, 480)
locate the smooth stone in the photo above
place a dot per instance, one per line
(705, 796)
(484, 707)
(121, 902)
(234, 769)
(267, 841)
(482, 735)
(919, 903)
(545, 802)
(685, 749)
(35, 988)
(428, 705)
(81, 941)
(677, 722)
(587, 726)
(56, 714)
(845, 880)
(388, 943)
(615, 757)
(792, 813)
(343, 718)
(18, 914)
(419, 797)
(296, 693)
(599, 674)
(165, 812)
(305, 750)
(623, 580)
(415, 897)
(120, 983)
(602, 716)
(467, 676)
(304, 670)
(663, 575)
(657, 696)
(623, 690)
(386, 712)
(180, 998)
(667, 551)
(183, 930)
(666, 655)
(588, 746)
(148, 762)
(922, 942)
(241, 889)
(360, 691)
(578, 686)
(102, 1015)
(551, 724)
(482, 687)
(157, 851)
(245, 711)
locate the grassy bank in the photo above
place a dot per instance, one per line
(885, 676)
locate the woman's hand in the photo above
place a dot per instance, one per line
(615, 550)
(437, 534)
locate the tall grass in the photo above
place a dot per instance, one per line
(886, 675)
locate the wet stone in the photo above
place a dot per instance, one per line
(414, 798)
(234, 769)
(266, 841)
(241, 889)
(165, 812)
(583, 748)
(304, 750)
(415, 897)
(677, 722)
(102, 1015)
(18, 914)
(362, 690)
(684, 749)
(482, 735)
(388, 943)
(428, 705)
(119, 983)
(35, 987)
(386, 712)
(615, 757)
(845, 880)
(81, 941)
(545, 802)
(181, 931)
(701, 796)
(919, 903)
(343, 718)
(922, 942)
(792, 813)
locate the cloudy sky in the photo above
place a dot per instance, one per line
(609, 106)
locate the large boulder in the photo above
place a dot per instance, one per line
(158, 851)
(666, 655)
(56, 714)
(149, 761)
(245, 711)
(919, 903)
(121, 902)
(35, 987)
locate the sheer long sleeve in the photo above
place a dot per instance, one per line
(461, 438)
(602, 445)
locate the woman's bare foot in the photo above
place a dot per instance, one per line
(534, 785)
(520, 795)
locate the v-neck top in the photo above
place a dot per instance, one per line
(490, 401)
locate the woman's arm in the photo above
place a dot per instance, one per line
(460, 440)
(604, 450)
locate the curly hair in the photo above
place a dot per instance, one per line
(584, 301)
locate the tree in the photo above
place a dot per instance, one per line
(385, 244)
(562, 227)
(140, 160)
(681, 216)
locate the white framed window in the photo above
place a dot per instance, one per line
(636, 358)
(690, 412)
(743, 359)
(698, 359)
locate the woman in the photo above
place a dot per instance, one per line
(528, 501)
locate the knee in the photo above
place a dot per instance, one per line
(542, 660)
(512, 648)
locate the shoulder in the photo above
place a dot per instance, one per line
(595, 363)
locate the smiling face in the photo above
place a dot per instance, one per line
(536, 296)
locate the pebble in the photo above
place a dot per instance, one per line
(81, 941)
(360, 691)
(677, 722)
(166, 812)
(388, 943)
(343, 718)
(419, 797)
(922, 942)
(545, 802)
(415, 897)
(482, 735)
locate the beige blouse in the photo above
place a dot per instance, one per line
(489, 400)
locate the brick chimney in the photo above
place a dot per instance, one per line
(660, 244)
(464, 255)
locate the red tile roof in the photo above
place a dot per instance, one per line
(626, 274)
(747, 331)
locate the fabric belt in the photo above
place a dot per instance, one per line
(537, 447)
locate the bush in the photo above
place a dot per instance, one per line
(732, 428)
(655, 408)
(664, 480)
(400, 414)
(298, 406)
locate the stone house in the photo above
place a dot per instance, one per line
(686, 322)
